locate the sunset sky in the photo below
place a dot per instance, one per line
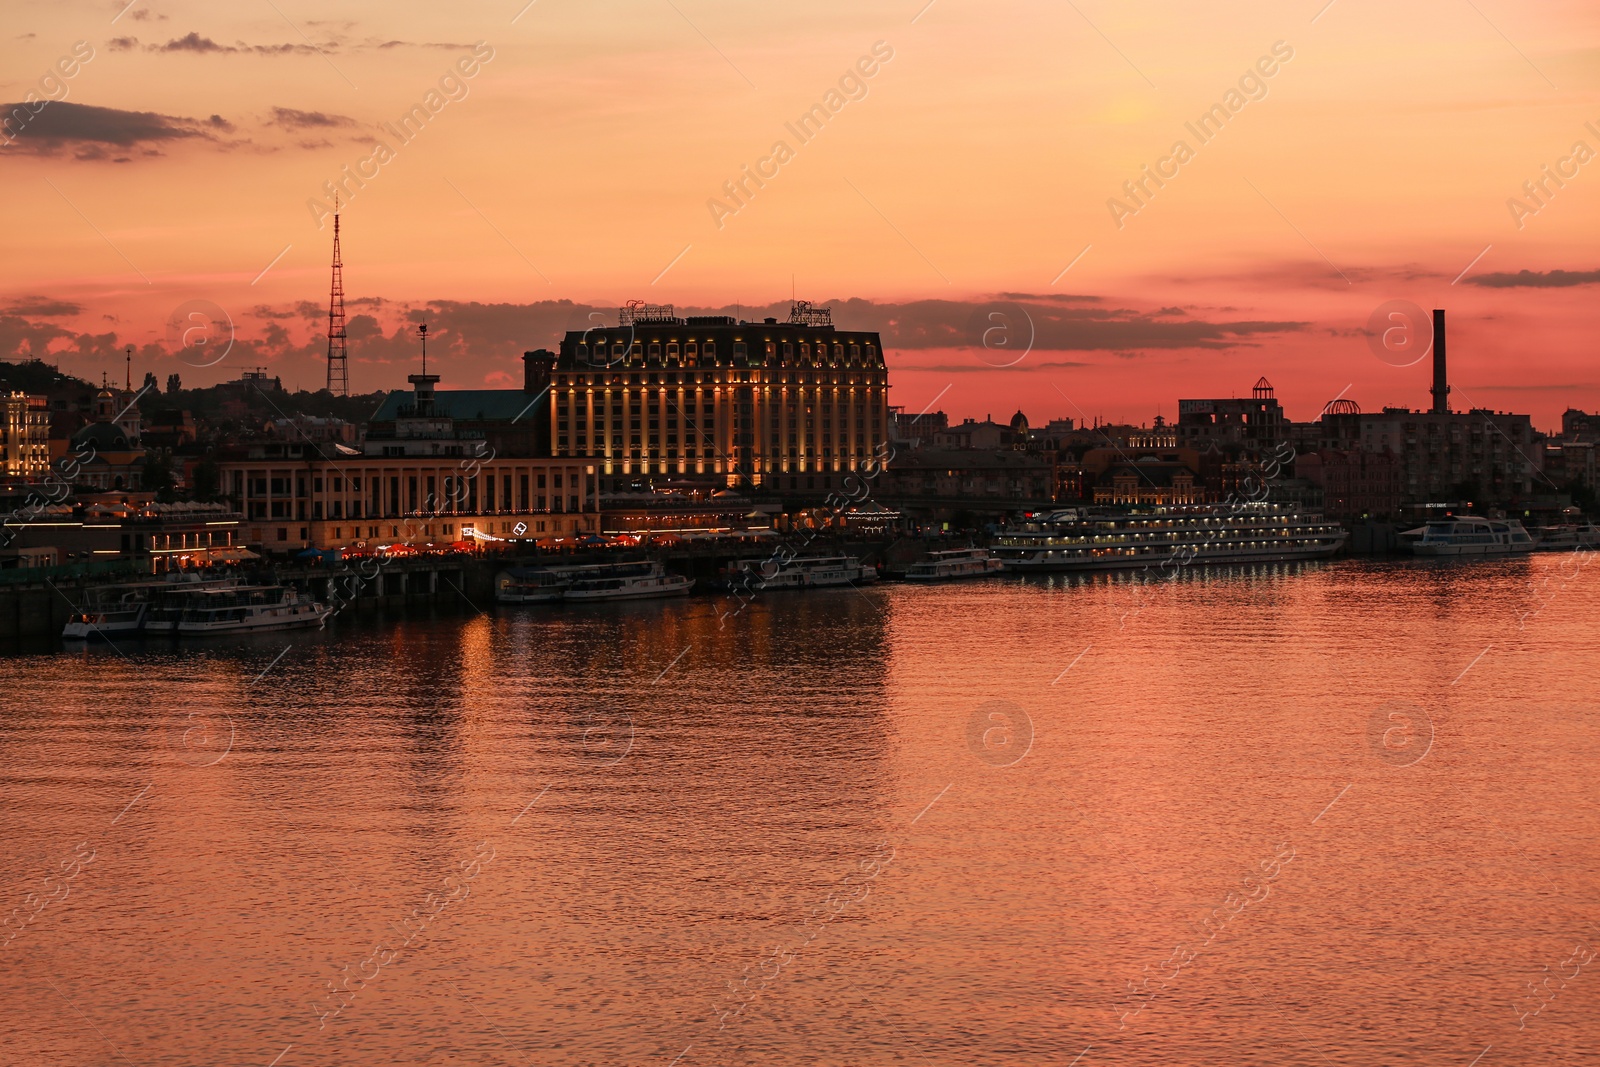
(583, 163)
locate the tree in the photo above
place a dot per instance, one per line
(158, 474)
(207, 479)
(173, 384)
(150, 382)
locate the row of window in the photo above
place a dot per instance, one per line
(611, 350)
(296, 486)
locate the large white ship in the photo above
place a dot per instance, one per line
(1091, 539)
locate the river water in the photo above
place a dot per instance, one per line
(1319, 814)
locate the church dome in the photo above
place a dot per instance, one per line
(104, 436)
(1019, 423)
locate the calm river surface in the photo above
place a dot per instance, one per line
(1316, 815)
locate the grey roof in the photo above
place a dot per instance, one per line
(107, 436)
(493, 405)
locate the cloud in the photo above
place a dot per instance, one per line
(473, 340)
(373, 42)
(195, 44)
(190, 42)
(965, 324)
(90, 131)
(304, 120)
(43, 307)
(1555, 279)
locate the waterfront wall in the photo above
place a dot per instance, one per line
(36, 610)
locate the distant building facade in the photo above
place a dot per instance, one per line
(1255, 424)
(793, 406)
(975, 478)
(420, 476)
(1355, 484)
(24, 436)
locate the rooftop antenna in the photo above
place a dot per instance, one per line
(423, 330)
(338, 357)
(128, 377)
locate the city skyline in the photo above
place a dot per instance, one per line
(677, 156)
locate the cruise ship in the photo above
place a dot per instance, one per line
(1092, 539)
(947, 566)
(1468, 535)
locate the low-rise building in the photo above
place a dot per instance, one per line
(418, 478)
(1355, 484)
(969, 478)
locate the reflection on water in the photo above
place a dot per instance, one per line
(1290, 815)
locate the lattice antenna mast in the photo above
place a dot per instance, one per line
(338, 357)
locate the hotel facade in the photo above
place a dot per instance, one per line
(790, 407)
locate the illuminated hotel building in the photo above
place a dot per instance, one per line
(24, 436)
(782, 406)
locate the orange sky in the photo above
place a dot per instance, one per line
(580, 161)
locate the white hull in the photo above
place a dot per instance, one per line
(813, 573)
(1206, 535)
(954, 571)
(1045, 561)
(110, 628)
(823, 581)
(1567, 539)
(1471, 550)
(298, 620)
(1471, 537)
(649, 589)
(549, 596)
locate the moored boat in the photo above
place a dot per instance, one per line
(530, 585)
(953, 564)
(624, 581)
(247, 609)
(113, 611)
(801, 572)
(1469, 535)
(1566, 537)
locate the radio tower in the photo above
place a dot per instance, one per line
(338, 364)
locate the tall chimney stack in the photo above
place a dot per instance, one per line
(1441, 380)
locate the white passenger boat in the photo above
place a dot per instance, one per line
(952, 564)
(247, 609)
(1566, 537)
(1469, 535)
(624, 581)
(166, 608)
(531, 585)
(112, 611)
(1091, 539)
(802, 572)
